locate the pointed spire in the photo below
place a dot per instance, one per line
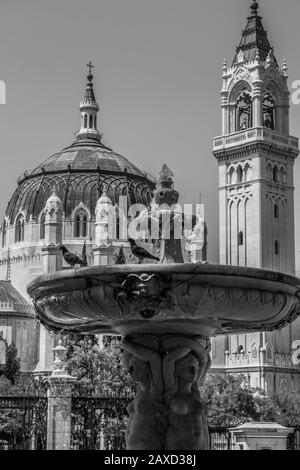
(89, 109)
(254, 37)
(89, 92)
(270, 58)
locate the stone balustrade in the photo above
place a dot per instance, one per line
(255, 134)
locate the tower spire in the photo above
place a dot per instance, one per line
(254, 37)
(89, 109)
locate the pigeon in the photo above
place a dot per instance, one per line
(70, 258)
(140, 252)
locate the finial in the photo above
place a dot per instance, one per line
(270, 57)
(90, 75)
(54, 191)
(254, 7)
(284, 68)
(224, 65)
(165, 175)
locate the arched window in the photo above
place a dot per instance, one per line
(244, 111)
(247, 172)
(239, 174)
(80, 224)
(95, 122)
(85, 121)
(42, 226)
(268, 111)
(275, 174)
(240, 239)
(84, 226)
(276, 247)
(4, 227)
(276, 211)
(91, 121)
(19, 229)
(231, 176)
(282, 175)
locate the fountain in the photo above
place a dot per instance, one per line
(166, 313)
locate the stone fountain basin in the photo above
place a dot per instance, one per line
(165, 298)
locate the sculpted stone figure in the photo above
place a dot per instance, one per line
(147, 413)
(168, 412)
(184, 369)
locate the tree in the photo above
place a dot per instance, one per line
(97, 369)
(11, 370)
(230, 400)
(281, 408)
(100, 372)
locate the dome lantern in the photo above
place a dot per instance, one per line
(89, 109)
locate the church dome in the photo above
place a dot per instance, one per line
(80, 172)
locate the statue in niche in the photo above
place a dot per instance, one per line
(147, 414)
(244, 110)
(268, 110)
(268, 121)
(184, 370)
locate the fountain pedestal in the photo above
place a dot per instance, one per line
(168, 412)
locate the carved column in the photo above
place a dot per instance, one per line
(59, 404)
(168, 412)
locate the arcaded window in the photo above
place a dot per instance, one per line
(239, 174)
(80, 224)
(91, 121)
(241, 239)
(85, 121)
(276, 211)
(244, 111)
(19, 229)
(268, 111)
(275, 174)
(276, 247)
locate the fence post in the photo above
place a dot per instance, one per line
(59, 403)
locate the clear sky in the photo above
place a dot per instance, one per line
(157, 78)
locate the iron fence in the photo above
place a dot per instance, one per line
(23, 423)
(99, 423)
(220, 438)
(294, 439)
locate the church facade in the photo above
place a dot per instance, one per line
(256, 156)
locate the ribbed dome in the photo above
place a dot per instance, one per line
(79, 174)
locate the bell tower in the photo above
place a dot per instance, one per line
(256, 157)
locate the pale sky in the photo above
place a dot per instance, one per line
(157, 78)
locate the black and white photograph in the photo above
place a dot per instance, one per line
(149, 237)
